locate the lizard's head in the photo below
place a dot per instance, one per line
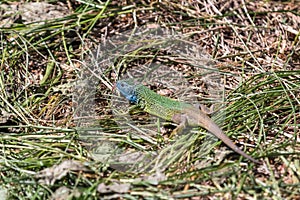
(128, 89)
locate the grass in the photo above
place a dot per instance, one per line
(55, 130)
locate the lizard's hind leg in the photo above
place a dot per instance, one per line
(205, 109)
(182, 121)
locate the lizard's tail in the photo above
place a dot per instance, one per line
(214, 129)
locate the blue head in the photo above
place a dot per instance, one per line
(128, 89)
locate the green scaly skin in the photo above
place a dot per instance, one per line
(171, 110)
(158, 105)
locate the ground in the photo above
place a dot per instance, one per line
(62, 122)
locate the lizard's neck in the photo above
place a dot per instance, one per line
(132, 98)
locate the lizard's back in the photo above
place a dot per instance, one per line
(158, 105)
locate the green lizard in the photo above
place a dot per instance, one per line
(181, 113)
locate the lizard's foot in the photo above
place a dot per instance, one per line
(179, 128)
(176, 131)
(205, 109)
(134, 110)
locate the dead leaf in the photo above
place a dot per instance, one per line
(63, 193)
(50, 175)
(114, 188)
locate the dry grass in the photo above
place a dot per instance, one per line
(254, 46)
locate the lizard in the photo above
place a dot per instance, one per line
(178, 112)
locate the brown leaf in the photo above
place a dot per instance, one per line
(114, 188)
(50, 175)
